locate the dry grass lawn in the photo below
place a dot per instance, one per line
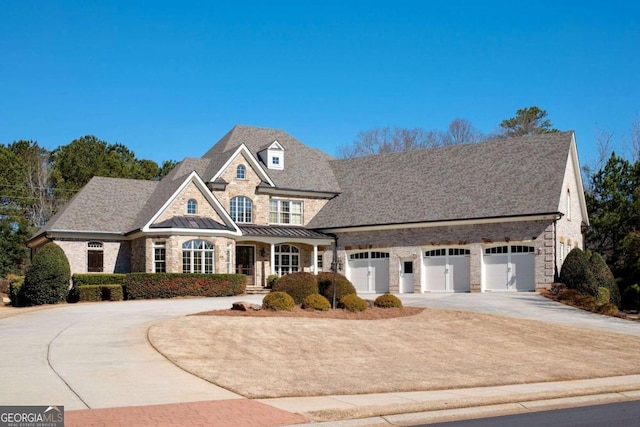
(262, 357)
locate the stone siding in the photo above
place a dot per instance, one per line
(116, 255)
(179, 206)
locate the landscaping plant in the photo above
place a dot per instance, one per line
(47, 279)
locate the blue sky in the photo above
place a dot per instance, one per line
(168, 79)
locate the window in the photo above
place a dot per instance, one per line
(497, 250)
(522, 249)
(359, 255)
(95, 257)
(569, 205)
(287, 259)
(159, 257)
(435, 252)
(561, 253)
(192, 207)
(197, 257)
(458, 251)
(241, 172)
(319, 261)
(241, 209)
(275, 160)
(285, 212)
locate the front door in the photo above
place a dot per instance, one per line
(245, 263)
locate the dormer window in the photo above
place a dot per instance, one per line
(241, 172)
(192, 207)
(273, 156)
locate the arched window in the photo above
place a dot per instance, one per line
(569, 205)
(241, 209)
(95, 257)
(287, 259)
(192, 207)
(241, 172)
(197, 257)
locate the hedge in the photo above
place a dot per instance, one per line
(169, 285)
(91, 293)
(98, 279)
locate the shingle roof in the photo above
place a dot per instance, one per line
(508, 177)
(103, 205)
(305, 168)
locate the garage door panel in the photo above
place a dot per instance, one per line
(523, 271)
(460, 273)
(435, 273)
(359, 274)
(496, 274)
(380, 275)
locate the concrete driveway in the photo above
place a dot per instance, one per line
(97, 355)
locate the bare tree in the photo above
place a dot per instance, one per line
(383, 140)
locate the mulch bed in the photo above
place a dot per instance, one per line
(372, 313)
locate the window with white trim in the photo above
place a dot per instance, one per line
(561, 253)
(197, 257)
(241, 172)
(285, 212)
(569, 204)
(192, 207)
(159, 257)
(241, 209)
(287, 259)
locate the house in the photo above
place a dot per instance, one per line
(493, 216)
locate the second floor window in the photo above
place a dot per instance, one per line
(285, 212)
(192, 207)
(241, 209)
(241, 172)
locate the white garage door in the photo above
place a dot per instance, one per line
(509, 268)
(447, 269)
(369, 271)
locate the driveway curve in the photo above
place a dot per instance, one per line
(97, 355)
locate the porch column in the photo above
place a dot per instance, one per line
(272, 257)
(314, 260)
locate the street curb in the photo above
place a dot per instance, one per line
(471, 412)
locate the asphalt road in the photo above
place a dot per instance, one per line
(612, 414)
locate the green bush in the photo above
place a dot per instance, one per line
(87, 293)
(47, 279)
(169, 285)
(576, 273)
(299, 285)
(631, 297)
(604, 277)
(278, 301)
(325, 285)
(98, 279)
(588, 302)
(388, 301)
(316, 302)
(353, 302)
(16, 297)
(603, 296)
(271, 280)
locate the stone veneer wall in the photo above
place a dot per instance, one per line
(179, 205)
(409, 244)
(116, 255)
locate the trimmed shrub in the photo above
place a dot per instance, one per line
(271, 280)
(588, 302)
(47, 279)
(558, 288)
(316, 302)
(98, 279)
(353, 302)
(604, 277)
(299, 285)
(609, 309)
(576, 273)
(16, 297)
(169, 285)
(603, 296)
(88, 293)
(278, 301)
(388, 301)
(325, 285)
